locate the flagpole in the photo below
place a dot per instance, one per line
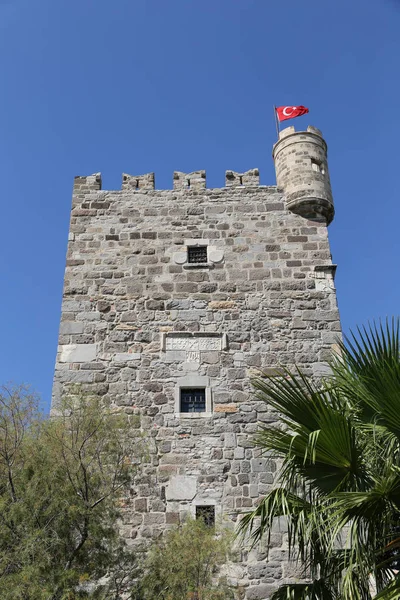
(276, 122)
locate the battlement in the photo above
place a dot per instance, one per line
(194, 181)
(291, 130)
(301, 165)
(138, 182)
(248, 178)
(87, 183)
(190, 181)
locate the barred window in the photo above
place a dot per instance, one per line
(193, 400)
(197, 254)
(207, 513)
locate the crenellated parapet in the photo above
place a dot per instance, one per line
(138, 182)
(301, 165)
(194, 181)
(190, 181)
(88, 183)
(248, 178)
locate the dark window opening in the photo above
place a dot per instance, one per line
(197, 254)
(241, 180)
(318, 166)
(193, 400)
(207, 513)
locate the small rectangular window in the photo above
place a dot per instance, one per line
(207, 513)
(318, 166)
(193, 400)
(197, 254)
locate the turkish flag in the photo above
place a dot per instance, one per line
(290, 112)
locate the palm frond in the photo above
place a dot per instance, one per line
(368, 370)
(317, 590)
(339, 446)
(278, 503)
(319, 442)
(391, 591)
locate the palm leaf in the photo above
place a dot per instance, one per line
(368, 370)
(317, 590)
(339, 446)
(278, 503)
(319, 442)
(390, 591)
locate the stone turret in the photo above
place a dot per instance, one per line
(302, 172)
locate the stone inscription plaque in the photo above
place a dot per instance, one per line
(192, 344)
(192, 356)
(323, 281)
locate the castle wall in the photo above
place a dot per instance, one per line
(139, 323)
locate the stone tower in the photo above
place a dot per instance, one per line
(173, 299)
(302, 171)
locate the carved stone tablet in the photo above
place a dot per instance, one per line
(323, 281)
(193, 344)
(196, 344)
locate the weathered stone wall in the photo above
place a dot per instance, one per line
(138, 322)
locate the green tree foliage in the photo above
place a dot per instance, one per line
(184, 565)
(339, 486)
(62, 484)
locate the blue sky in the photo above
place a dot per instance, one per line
(157, 85)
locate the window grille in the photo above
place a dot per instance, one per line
(197, 254)
(193, 400)
(207, 513)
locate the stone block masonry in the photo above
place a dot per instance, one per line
(140, 322)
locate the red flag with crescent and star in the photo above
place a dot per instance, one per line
(290, 112)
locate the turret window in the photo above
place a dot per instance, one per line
(318, 166)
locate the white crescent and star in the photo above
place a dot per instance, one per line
(291, 108)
